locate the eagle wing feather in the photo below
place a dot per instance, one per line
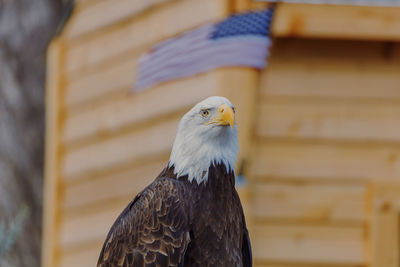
(152, 229)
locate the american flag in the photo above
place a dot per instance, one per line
(240, 40)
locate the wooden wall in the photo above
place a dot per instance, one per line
(318, 129)
(327, 130)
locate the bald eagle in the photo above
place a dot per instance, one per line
(191, 214)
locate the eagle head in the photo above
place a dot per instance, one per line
(206, 135)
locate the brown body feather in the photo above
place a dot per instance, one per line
(174, 222)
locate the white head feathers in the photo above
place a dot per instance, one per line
(206, 134)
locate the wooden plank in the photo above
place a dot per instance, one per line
(155, 26)
(245, 195)
(336, 79)
(394, 51)
(52, 155)
(124, 183)
(258, 263)
(335, 50)
(385, 194)
(245, 5)
(340, 69)
(82, 257)
(128, 148)
(104, 13)
(152, 103)
(385, 238)
(305, 160)
(307, 202)
(309, 244)
(112, 78)
(88, 228)
(318, 119)
(384, 243)
(321, 21)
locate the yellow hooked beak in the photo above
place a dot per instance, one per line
(225, 116)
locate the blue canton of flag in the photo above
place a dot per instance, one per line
(240, 40)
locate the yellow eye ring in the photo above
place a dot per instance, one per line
(204, 113)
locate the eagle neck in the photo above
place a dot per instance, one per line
(218, 176)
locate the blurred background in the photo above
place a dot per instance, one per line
(26, 28)
(319, 127)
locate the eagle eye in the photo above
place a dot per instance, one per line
(204, 113)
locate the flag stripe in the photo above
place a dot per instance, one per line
(196, 35)
(243, 47)
(215, 56)
(241, 40)
(168, 54)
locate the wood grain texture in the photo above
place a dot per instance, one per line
(101, 14)
(74, 229)
(332, 69)
(101, 83)
(309, 244)
(384, 240)
(329, 120)
(85, 256)
(310, 202)
(356, 22)
(246, 5)
(134, 108)
(139, 145)
(260, 263)
(153, 27)
(325, 161)
(119, 185)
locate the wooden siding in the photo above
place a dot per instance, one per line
(140, 32)
(326, 129)
(309, 244)
(335, 21)
(319, 135)
(296, 202)
(104, 13)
